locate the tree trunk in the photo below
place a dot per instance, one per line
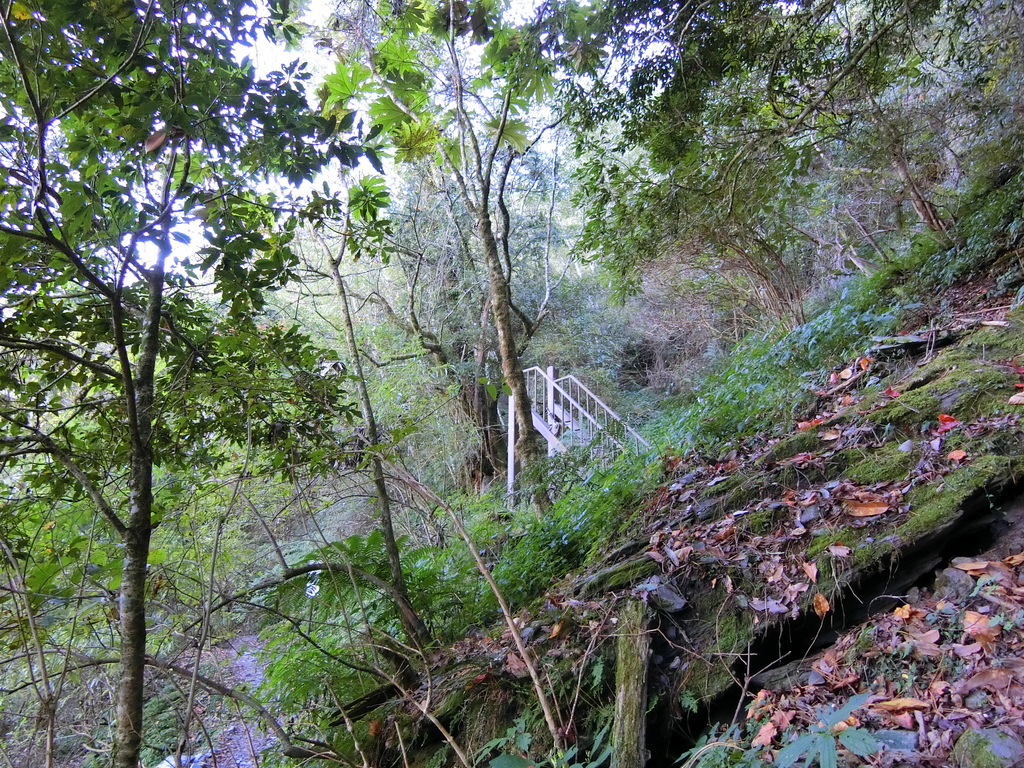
(139, 386)
(413, 625)
(629, 729)
(528, 448)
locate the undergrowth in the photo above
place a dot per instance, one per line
(769, 379)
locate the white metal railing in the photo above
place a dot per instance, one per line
(567, 414)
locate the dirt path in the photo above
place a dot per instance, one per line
(242, 742)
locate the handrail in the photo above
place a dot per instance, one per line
(566, 402)
(557, 384)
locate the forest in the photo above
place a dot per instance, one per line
(573, 384)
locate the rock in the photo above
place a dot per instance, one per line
(987, 748)
(977, 700)
(954, 584)
(897, 741)
(667, 598)
(783, 678)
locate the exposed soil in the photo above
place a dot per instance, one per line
(243, 741)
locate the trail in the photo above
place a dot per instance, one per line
(242, 742)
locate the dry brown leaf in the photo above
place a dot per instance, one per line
(993, 679)
(866, 508)
(765, 735)
(846, 373)
(975, 623)
(155, 141)
(966, 651)
(904, 720)
(556, 630)
(811, 569)
(831, 434)
(515, 665)
(981, 566)
(957, 455)
(1017, 399)
(977, 626)
(821, 606)
(1014, 560)
(900, 705)
(840, 550)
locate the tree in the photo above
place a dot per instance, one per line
(457, 84)
(727, 126)
(124, 129)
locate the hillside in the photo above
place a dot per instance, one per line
(864, 558)
(278, 283)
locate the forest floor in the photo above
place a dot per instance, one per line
(242, 742)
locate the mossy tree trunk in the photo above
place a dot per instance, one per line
(629, 731)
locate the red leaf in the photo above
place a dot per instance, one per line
(889, 391)
(946, 423)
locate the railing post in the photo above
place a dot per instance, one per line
(549, 404)
(511, 444)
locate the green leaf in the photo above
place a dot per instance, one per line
(828, 757)
(157, 556)
(804, 746)
(859, 741)
(830, 718)
(510, 761)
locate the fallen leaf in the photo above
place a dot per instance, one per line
(904, 720)
(928, 636)
(1014, 560)
(866, 508)
(890, 392)
(555, 630)
(805, 425)
(865, 363)
(977, 626)
(906, 446)
(840, 550)
(957, 455)
(975, 622)
(811, 569)
(846, 373)
(993, 679)
(974, 567)
(947, 422)
(515, 666)
(821, 606)
(1017, 399)
(965, 651)
(900, 705)
(831, 434)
(765, 735)
(925, 644)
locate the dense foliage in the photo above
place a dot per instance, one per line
(259, 330)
